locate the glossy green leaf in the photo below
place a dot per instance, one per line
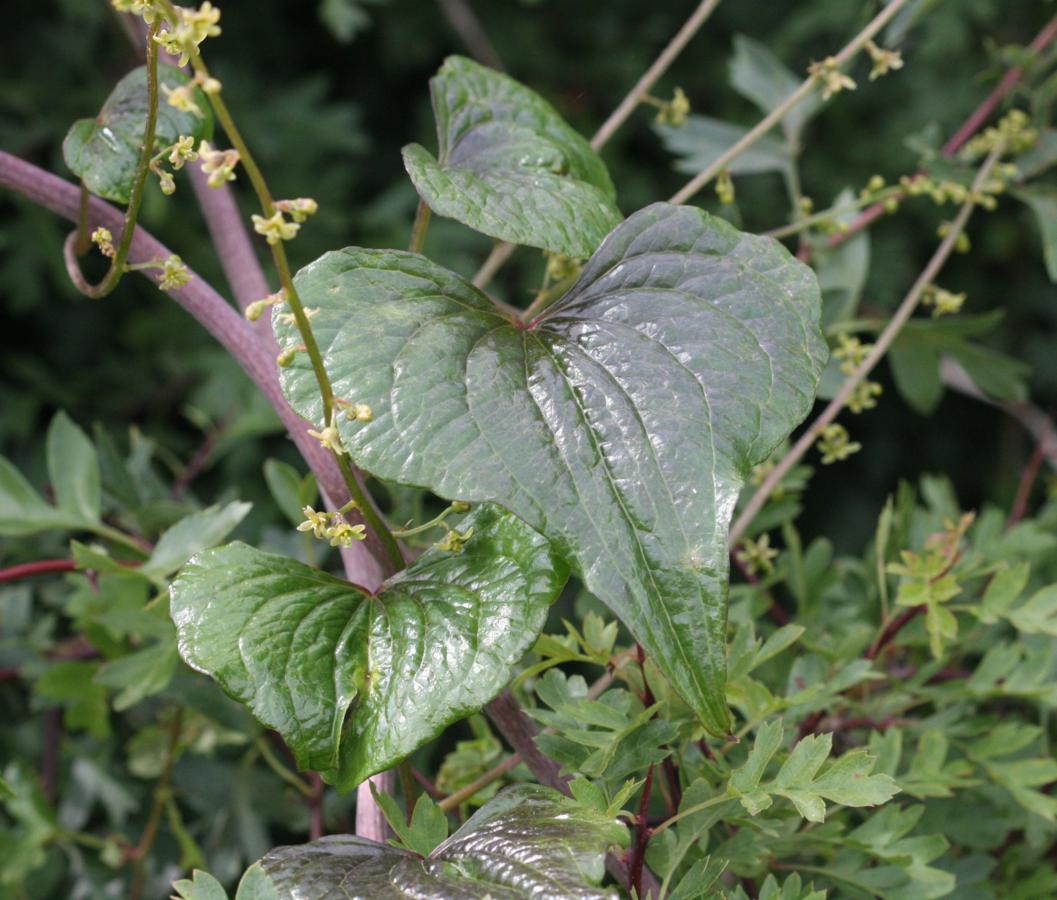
(621, 423)
(507, 164)
(104, 151)
(356, 682)
(73, 467)
(528, 842)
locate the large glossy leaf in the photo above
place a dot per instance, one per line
(104, 151)
(527, 842)
(621, 423)
(508, 165)
(356, 682)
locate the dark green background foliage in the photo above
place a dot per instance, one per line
(327, 94)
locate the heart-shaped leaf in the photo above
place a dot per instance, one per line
(104, 151)
(621, 423)
(509, 166)
(528, 842)
(355, 682)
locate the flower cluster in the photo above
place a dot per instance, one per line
(943, 302)
(852, 353)
(725, 188)
(256, 309)
(174, 274)
(884, 61)
(329, 438)
(1014, 131)
(142, 8)
(276, 228)
(192, 26)
(332, 527)
(757, 557)
(835, 444)
(675, 111)
(104, 240)
(219, 165)
(354, 412)
(454, 541)
(177, 154)
(832, 78)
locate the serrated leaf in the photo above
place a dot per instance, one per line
(23, 511)
(104, 151)
(621, 423)
(1038, 614)
(848, 781)
(428, 825)
(507, 164)
(768, 739)
(356, 682)
(200, 886)
(73, 468)
(1002, 590)
(700, 880)
(187, 537)
(527, 842)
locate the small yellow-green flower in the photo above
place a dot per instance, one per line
(174, 274)
(275, 228)
(884, 61)
(832, 78)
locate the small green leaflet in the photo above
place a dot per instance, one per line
(507, 164)
(355, 682)
(621, 423)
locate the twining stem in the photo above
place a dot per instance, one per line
(457, 798)
(395, 559)
(502, 251)
(776, 115)
(84, 241)
(276, 765)
(660, 65)
(33, 569)
(833, 212)
(966, 130)
(76, 243)
(161, 799)
(880, 347)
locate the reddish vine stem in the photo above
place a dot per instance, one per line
(892, 629)
(33, 569)
(642, 836)
(161, 797)
(965, 131)
(1027, 481)
(315, 807)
